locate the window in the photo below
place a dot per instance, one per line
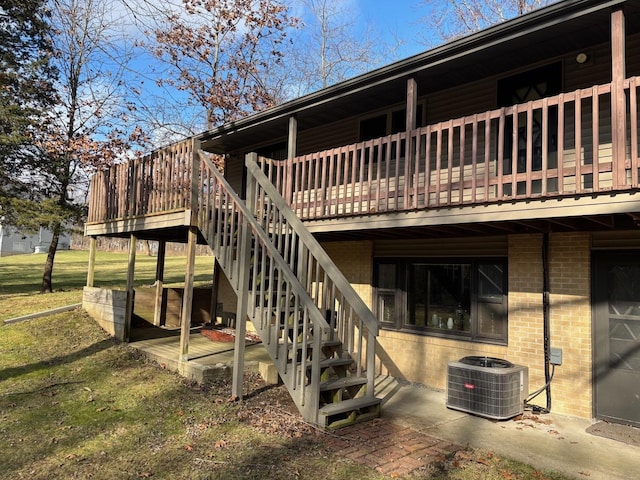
(387, 123)
(462, 299)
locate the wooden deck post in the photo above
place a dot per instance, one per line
(618, 100)
(187, 298)
(292, 147)
(412, 103)
(244, 257)
(213, 309)
(157, 310)
(292, 140)
(131, 267)
(92, 261)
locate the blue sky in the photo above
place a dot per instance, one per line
(400, 16)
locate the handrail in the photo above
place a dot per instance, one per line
(348, 314)
(222, 219)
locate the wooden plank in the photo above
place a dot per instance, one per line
(157, 309)
(633, 99)
(618, 101)
(91, 267)
(187, 301)
(133, 240)
(595, 139)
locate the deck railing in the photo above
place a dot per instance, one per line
(517, 152)
(156, 183)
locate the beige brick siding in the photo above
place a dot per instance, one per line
(569, 316)
(423, 359)
(355, 261)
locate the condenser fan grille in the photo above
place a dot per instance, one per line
(496, 392)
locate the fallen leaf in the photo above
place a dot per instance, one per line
(188, 448)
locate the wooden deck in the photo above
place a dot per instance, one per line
(208, 360)
(566, 148)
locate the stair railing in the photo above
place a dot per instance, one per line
(350, 320)
(288, 320)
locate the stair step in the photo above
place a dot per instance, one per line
(344, 382)
(334, 362)
(327, 343)
(347, 412)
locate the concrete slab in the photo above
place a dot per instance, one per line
(546, 441)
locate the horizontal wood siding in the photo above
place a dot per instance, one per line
(461, 100)
(495, 246)
(233, 172)
(633, 55)
(596, 70)
(342, 132)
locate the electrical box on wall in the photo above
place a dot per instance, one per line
(556, 356)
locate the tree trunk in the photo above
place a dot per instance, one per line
(47, 286)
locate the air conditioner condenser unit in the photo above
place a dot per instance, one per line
(488, 387)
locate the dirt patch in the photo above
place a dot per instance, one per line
(614, 431)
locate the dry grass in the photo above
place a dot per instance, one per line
(76, 404)
(21, 275)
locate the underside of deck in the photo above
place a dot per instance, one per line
(168, 227)
(620, 211)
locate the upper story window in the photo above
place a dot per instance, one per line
(464, 299)
(387, 123)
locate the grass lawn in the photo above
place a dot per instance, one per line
(74, 403)
(21, 276)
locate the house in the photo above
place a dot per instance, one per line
(479, 199)
(15, 242)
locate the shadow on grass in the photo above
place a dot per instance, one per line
(92, 349)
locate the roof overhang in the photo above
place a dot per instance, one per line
(560, 28)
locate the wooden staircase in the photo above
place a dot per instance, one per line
(317, 330)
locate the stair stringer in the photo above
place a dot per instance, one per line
(298, 331)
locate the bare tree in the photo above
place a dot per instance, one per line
(331, 47)
(451, 19)
(87, 128)
(218, 52)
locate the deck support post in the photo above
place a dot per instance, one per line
(618, 100)
(187, 298)
(91, 268)
(131, 267)
(157, 309)
(292, 146)
(412, 103)
(244, 264)
(213, 309)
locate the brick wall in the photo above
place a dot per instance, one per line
(355, 261)
(423, 359)
(569, 316)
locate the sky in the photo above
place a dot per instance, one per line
(398, 16)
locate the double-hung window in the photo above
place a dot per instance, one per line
(464, 299)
